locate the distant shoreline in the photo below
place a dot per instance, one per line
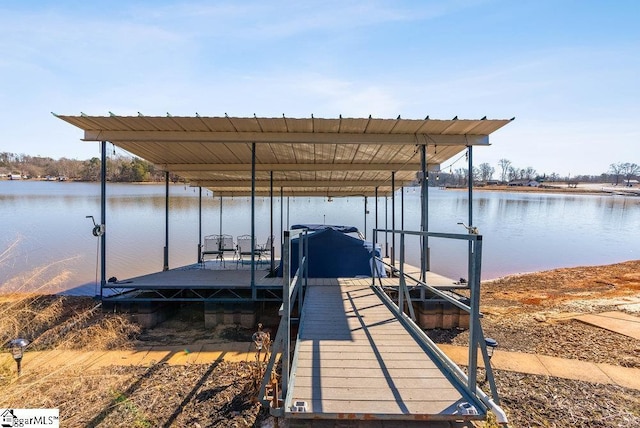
(582, 188)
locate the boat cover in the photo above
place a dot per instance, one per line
(316, 227)
(332, 254)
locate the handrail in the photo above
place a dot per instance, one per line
(439, 293)
(451, 366)
(476, 336)
(292, 290)
(296, 281)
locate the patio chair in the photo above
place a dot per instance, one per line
(244, 248)
(211, 248)
(265, 250)
(227, 246)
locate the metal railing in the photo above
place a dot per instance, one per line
(476, 335)
(292, 290)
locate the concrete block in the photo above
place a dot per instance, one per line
(430, 315)
(450, 317)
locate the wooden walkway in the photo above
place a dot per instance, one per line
(355, 360)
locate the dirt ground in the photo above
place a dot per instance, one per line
(526, 313)
(532, 313)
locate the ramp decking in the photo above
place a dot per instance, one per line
(355, 360)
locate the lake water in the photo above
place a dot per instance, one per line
(46, 242)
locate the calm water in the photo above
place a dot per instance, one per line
(46, 241)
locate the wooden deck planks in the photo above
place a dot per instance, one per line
(353, 357)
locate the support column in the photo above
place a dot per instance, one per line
(402, 208)
(270, 239)
(376, 206)
(393, 218)
(166, 221)
(199, 224)
(254, 292)
(470, 156)
(386, 226)
(365, 217)
(220, 219)
(103, 217)
(281, 221)
(424, 211)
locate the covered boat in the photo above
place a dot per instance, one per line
(334, 252)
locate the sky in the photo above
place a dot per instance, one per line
(567, 70)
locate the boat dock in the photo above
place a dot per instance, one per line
(356, 357)
(355, 360)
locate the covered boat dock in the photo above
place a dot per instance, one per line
(363, 157)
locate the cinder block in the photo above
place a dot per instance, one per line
(450, 317)
(248, 319)
(430, 315)
(463, 319)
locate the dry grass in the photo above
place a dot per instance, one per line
(62, 322)
(51, 321)
(519, 312)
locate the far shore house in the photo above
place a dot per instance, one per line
(631, 183)
(524, 183)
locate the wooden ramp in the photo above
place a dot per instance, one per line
(355, 360)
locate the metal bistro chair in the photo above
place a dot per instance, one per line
(226, 246)
(265, 250)
(211, 248)
(244, 248)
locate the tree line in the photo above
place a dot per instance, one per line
(617, 173)
(122, 168)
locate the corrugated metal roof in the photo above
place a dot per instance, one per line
(308, 156)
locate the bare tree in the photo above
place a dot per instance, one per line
(629, 170)
(462, 175)
(486, 171)
(615, 170)
(529, 173)
(504, 169)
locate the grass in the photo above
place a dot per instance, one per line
(60, 322)
(51, 321)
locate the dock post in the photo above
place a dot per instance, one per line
(103, 218)
(365, 217)
(272, 261)
(393, 219)
(424, 212)
(199, 224)
(475, 267)
(286, 309)
(254, 291)
(166, 221)
(386, 227)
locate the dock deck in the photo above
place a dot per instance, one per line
(211, 282)
(355, 360)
